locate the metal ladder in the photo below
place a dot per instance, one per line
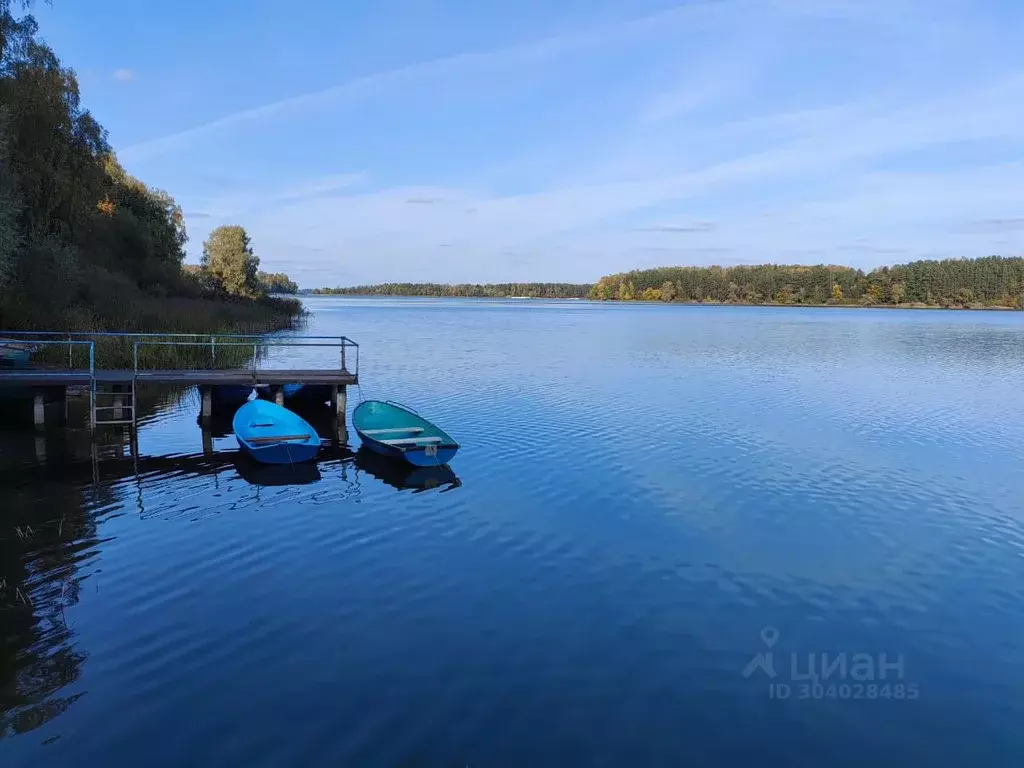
(111, 403)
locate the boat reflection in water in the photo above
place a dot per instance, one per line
(256, 473)
(404, 476)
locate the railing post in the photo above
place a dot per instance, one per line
(343, 354)
(213, 350)
(135, 357)
(70, 363)
(92, 388)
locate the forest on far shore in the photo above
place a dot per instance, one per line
(988, 282)
(468, 290)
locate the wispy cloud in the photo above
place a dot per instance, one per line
(616, 146)
(700, 226)
(123, 75)
(325, 185)
(532, 52)
(1010, 224)
(197, 215)
(239, 201)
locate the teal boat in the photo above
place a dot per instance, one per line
(391, 429)
(404, 476)
(15, 354)
(272, 434)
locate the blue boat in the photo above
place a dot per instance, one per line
(274, 435)
(15, 354)
(230, 394)
(393, 430)
(310, 394)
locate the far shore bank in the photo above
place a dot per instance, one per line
(658, 302)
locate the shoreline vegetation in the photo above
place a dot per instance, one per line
(84, 246)
(992, 282)
(464, 290)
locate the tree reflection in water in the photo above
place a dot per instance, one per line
(42, 548)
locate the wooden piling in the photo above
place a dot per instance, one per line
(206, 392)
(39, 409)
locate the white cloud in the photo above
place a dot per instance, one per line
(721, 132)
(123, 75)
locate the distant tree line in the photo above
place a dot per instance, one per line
(276, 282)
(992, 281)
(83, 244)
(468, 290)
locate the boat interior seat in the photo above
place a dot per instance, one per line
(417, 440)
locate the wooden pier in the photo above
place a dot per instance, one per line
(112, 391)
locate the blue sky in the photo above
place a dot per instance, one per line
(377, 140)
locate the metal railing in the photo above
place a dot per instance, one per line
(8, 336)
(347, 348)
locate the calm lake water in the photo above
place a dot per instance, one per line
(650, 502)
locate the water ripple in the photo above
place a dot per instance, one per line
(641, 490)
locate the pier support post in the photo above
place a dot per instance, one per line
(339, 434)
(339, 400)
(39, 409)
(339, 405)
(206, 392)
(207, 441)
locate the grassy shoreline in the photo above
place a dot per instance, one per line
(173, 317)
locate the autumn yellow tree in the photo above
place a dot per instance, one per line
(651, 294)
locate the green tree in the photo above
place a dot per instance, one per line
(84, 245)
(229, 259)
(668, 291)
(276, 282)
(10, 236)
(626, 291)
(896, 292)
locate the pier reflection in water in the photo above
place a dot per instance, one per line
(48, 551)
(849, 477)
